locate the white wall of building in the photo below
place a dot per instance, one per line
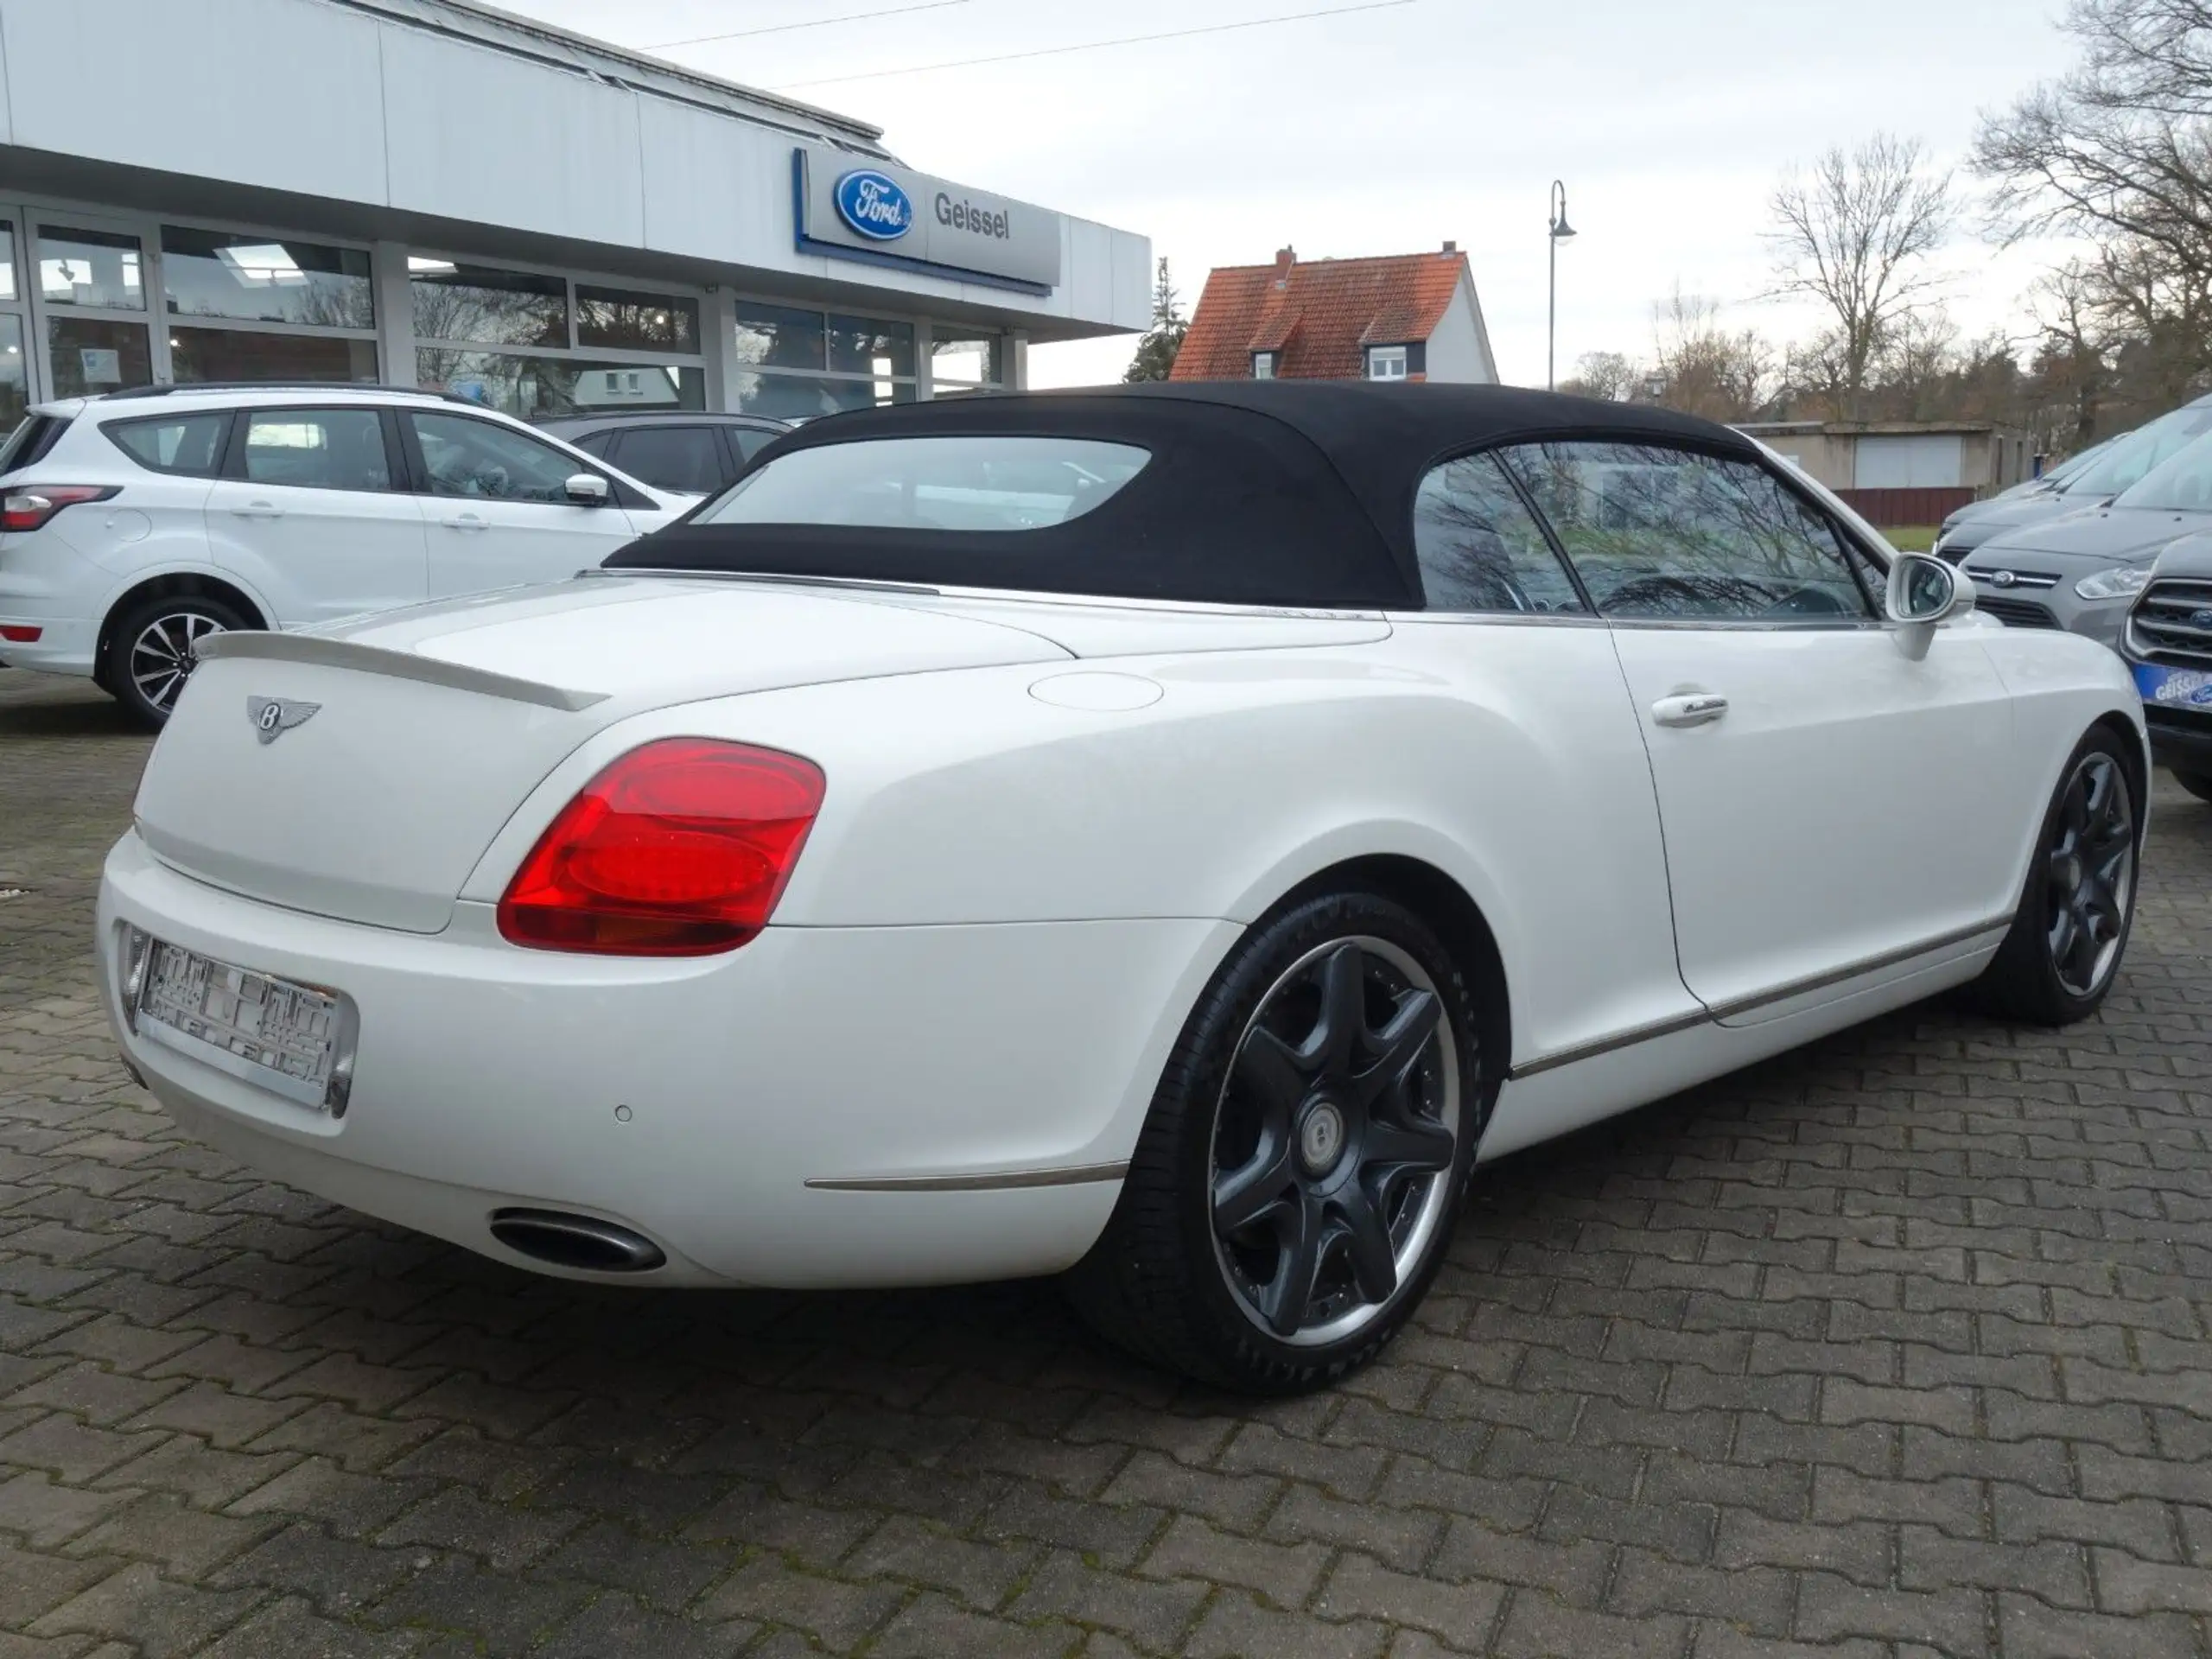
(1458, 347)
(353, 101)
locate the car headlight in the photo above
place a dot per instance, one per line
(2122, 581)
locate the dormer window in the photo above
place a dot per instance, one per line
(1263, 365)
(1386, 362)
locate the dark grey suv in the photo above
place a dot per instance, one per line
(2168, 643)
(692, 451)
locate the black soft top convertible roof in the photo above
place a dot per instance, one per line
(1258, 492)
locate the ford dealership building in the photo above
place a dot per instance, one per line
(436, 192)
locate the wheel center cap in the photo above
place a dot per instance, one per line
(2072, 873)
(1321, 1137)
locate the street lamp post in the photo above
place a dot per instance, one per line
(1561, 232)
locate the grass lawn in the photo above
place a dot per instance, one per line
(1911, 538)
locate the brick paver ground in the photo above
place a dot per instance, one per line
(1896, 1346)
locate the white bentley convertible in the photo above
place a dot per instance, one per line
(1167, 836)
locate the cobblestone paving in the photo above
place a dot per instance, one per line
(1894, 1347)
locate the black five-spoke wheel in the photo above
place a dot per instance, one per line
(2091, 874)
(1336, 1125)
(1306, 1151)
(2063, 950)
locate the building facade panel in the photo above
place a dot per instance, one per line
(434, 192)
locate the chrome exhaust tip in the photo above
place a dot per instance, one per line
(584, 1242)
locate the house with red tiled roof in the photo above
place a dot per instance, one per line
(1411, 316)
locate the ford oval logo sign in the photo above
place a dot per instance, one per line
(874, 205)
(2201, 620)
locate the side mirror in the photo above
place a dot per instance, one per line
(587, 490)
(1924, 591)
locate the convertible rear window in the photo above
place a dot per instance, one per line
(987, 484)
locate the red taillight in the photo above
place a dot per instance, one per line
(29, 505)
(21, 633)
(679, 849)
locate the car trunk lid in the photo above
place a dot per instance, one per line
(400, 745)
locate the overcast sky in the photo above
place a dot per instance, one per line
(1389, 130)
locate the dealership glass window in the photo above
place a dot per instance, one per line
(90, 355)
(485, 307)
(14, 381)
(864, 345)
(777, 336)
(260, 278)
(532, 387)
(966, 357)
(8, 295)
(201, 355)
(806, 397)
(650, 322)
(99, 268)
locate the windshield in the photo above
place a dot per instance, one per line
(2062, 477)
(2184, 484)
(972, 484)
(2134, 454)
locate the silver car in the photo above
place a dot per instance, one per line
(2169, 646)
(2090, 478)
(2080, 571)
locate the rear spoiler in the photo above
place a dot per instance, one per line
(393, 664)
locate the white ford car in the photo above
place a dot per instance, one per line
(136, 524)
(1165, 835)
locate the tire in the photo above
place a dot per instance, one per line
(148, 658)
(2198, 784)
(2070, 935)
(1271, 1129)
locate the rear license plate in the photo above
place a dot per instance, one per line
(283, 1037)
(2174, 688)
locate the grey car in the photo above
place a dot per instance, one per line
(2168, 644)
(693, 452)
(2091, 479)
(2081, 571)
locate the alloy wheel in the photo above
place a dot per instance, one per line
(1334, 1141)
(2091, 874)
(160, 657)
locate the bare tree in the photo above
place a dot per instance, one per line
(1856, 234)
(1701, 368)
(1611, 376)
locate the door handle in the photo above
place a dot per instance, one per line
(257, 510)
(1693, 708)
(466, 521)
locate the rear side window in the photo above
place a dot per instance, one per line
(972, 484)
(673, 458)
(35, 435)
(750, 439)
(597, 443)
(317, 448)
(1480, 550)
(190, 444)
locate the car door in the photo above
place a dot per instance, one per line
(496, 507)
(1830, 803)
(684, 458)
(310, 513)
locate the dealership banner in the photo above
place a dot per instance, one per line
(855, 208)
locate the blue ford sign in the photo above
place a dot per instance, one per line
(874, 205)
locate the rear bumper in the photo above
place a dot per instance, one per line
(64, 646)
(960, 1061)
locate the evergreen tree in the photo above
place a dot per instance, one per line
(1156, 351)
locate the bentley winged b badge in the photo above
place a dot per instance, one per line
(273, 716)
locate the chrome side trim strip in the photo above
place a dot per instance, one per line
(996, 1181)
(1757, 1000)
(321, 652)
